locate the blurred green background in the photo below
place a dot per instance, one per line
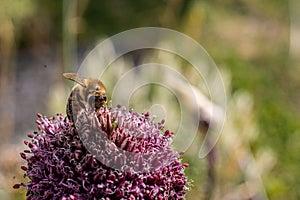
(254, 43)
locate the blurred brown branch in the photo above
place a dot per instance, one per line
(208, 118)
(7, 90)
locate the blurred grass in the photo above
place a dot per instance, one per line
(266, 74)
(249, 39)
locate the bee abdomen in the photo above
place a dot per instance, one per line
(74, 105)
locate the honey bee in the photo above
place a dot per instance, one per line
(87, 94)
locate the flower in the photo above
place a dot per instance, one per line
(111, 154)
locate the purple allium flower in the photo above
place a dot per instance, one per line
(111, 154)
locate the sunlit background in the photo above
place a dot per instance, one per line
(255, 44)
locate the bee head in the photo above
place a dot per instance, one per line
(96, 93)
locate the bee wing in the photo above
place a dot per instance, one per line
(75, 77)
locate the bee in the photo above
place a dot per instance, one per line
(86, 94)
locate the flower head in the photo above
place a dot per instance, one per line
(110, 154)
